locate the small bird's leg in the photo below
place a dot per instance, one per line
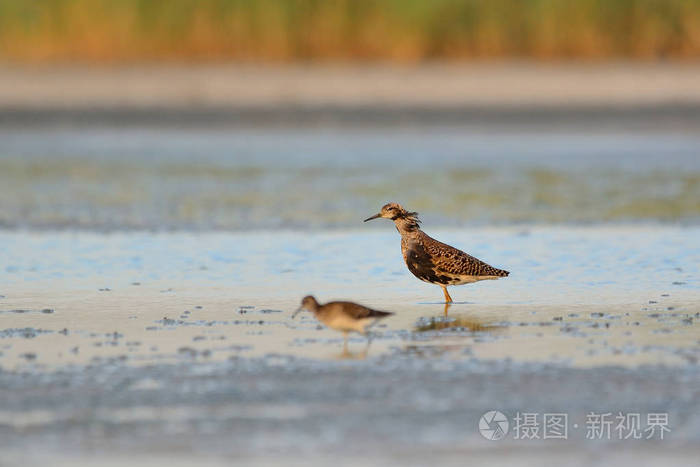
(448, 299)
(369, 341)
(447, 307)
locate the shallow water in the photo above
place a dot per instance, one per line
(304, 178)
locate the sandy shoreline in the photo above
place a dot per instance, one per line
(498, 92)
(507, 84)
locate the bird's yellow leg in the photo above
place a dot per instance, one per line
(448, 299)
(447, 307)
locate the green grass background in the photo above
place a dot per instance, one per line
(341, 30)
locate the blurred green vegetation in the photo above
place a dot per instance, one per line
(321, 30)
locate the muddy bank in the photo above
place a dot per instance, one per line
(619, 95)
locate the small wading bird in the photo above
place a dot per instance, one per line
(433, 261)
(343, 316)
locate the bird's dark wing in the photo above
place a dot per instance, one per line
(448, 259)
(358, 311)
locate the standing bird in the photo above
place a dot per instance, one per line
(343, 316)
(433, 261)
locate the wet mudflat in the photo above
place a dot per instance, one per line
(162, 343)
(584, 296)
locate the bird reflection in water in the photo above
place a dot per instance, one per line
(455, 334)
(465, 322)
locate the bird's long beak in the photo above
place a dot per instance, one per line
(376, 216)
(297, 312)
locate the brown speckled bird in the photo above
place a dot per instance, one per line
(433, 261)
(343, 316)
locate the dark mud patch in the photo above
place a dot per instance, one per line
(169, 323)
(25, 333)
(46, 311)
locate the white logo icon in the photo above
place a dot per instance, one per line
(493, 425)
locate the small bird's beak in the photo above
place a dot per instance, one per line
(297, 312)
(376, 216)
